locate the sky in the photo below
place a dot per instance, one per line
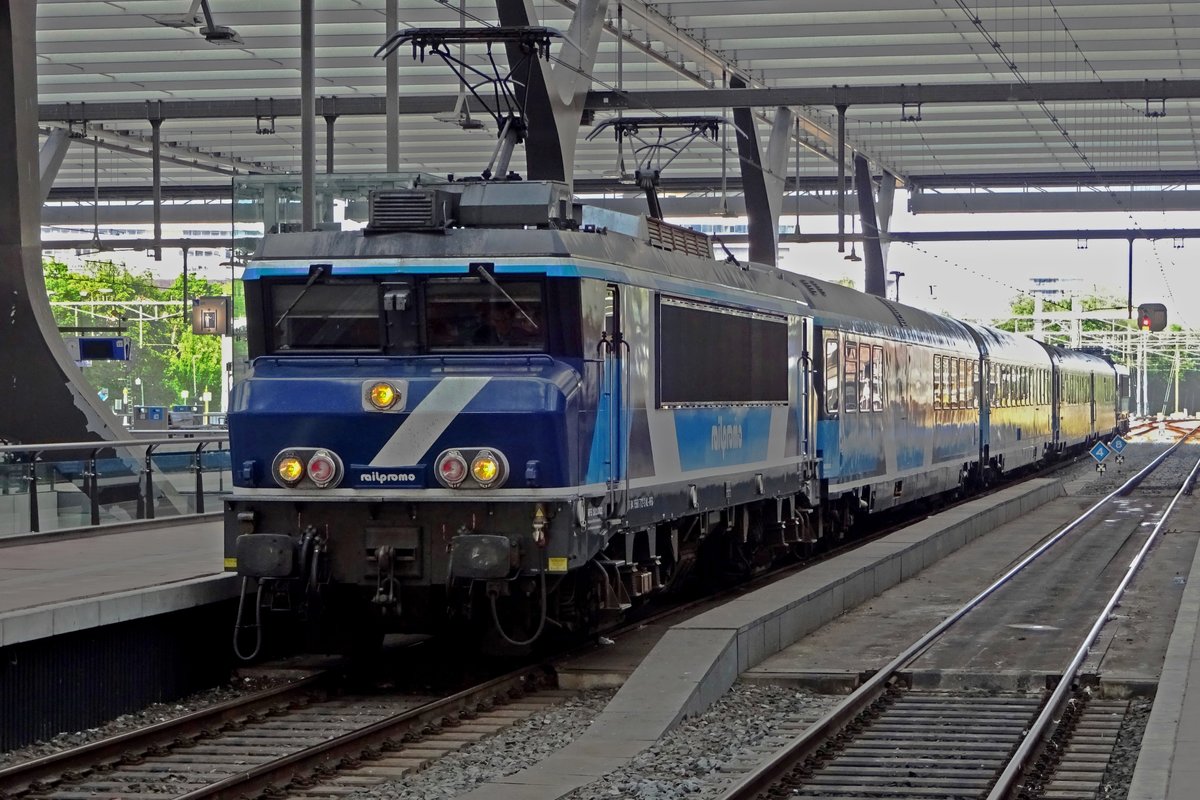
(978, 280)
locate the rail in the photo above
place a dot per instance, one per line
(119, 487)
(758, 781)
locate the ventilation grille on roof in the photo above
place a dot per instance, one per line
(666, 236)
(812, 286)
(895, 312)
(410, 210)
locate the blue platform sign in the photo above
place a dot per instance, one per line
(1118, 444)
(1100, 451)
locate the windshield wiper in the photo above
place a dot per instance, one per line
(314, 273)
(487, 276)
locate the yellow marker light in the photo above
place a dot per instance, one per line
(291, 469)
(485, 468)
(384, 396)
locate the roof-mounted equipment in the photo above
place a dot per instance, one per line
(492, 88)
(653, 156)
(474, 204)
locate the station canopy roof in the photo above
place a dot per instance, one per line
(981, 110)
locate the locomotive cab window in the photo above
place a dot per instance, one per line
(335, 315)
(473, 314)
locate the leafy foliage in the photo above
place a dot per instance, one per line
(167, 357)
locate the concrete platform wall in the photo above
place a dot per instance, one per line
(698, 660)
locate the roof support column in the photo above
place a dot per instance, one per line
(555, 95)
(328, 196)
(876, 279)
(762, 185)
(391, 69)
(54, 150)
(156, 183)
(46, 398)
(884, 205)
(841, 182)
(308, 115)
(777, 162)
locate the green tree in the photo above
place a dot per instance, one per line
(117, 301)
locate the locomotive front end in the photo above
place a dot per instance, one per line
(402, 442)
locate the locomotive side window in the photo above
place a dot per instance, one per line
(470, 314)
(715, 355)
(336, 315)
(833, 390)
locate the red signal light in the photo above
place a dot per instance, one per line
(1146, 323)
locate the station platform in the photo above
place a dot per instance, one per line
(57, 585)
(1168, 766)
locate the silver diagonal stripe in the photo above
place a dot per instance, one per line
(428, 421)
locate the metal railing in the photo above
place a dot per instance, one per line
(90, 487)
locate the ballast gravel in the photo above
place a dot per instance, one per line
(703, 755)
(510, 750)
(1119, 773)
(696, 758)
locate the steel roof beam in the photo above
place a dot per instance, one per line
(671, 184)
(1050, 92)
(1034, 235)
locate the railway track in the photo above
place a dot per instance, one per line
(291, 739)
(886, 740)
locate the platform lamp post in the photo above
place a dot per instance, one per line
(896, 276)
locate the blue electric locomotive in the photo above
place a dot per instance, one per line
(494, 407)
(481, 408)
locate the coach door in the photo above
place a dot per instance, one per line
(612, 352)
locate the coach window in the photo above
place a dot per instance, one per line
(866, 377)
(877, 378)
(964, 384)
(937, 381)
(832, 385)
(850, 380)
(950, 365)
(949, 382)
(974, 384)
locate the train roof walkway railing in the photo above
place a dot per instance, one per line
(63, 487)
